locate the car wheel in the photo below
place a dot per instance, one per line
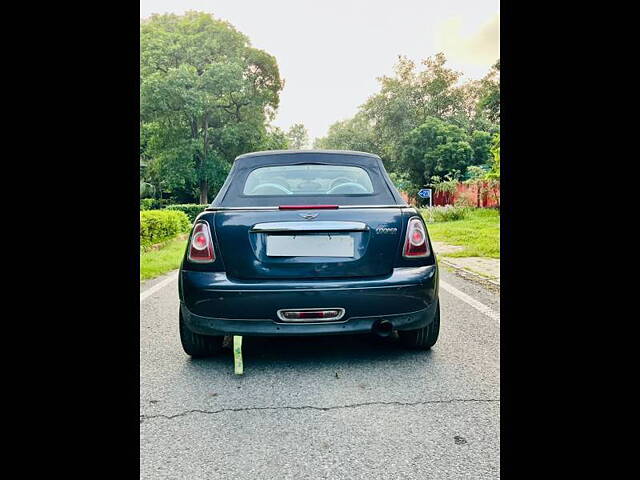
(422, 338)
(198, 345)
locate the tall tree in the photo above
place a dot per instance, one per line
(408, 98)
(206, 95)
(435, 148)
(424, 122)
(489, 101)
(298, 136)
(353, 134)
(275, 139)
(481, 143)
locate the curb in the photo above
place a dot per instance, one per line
(469, 272)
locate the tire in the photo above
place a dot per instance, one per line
(198, 345)
(422, 338)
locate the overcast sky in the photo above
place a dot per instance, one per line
(330, 51)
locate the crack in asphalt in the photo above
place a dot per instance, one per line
(312, 407)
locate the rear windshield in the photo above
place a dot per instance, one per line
(308, 180)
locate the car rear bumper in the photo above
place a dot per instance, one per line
(212, 304)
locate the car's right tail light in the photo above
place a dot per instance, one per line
(201, 246)
(415, 243)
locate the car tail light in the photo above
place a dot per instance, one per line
(201, 246)
(415, 244)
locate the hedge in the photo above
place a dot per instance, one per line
(191, 209)
(147, 203)
(152, 203)
(159, 225)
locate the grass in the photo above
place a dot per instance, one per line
(156, 262)
(478, 233)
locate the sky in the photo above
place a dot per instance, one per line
(330, 52)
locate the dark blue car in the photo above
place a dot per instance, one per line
(308, 243)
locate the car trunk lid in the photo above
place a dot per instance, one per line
(309, 243)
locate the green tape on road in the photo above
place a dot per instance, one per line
(237, 355)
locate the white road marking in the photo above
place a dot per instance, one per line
(158, 286)
(481, 307)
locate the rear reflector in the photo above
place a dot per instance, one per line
(201, 245)
(415, 244)
(307, 207)
(311, 314)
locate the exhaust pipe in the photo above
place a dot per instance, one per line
(383, 328)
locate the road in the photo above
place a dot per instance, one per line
(342, 407)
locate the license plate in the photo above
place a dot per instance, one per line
(310, 246)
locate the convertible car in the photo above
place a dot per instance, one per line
(313, 242)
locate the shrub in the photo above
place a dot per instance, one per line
(152, 203)
(147, 203)
(447, 213)
(159, 225)
(191, 209)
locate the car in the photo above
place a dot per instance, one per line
(308, 242)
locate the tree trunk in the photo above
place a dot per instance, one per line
(204, 188)
(204, 184)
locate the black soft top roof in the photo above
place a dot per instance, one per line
(231, 193)
(305, 152)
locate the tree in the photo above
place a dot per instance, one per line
(206, 96)
(481, 143)
(422, 123)
(146, 189)
(298, 136)
(407, 99)
(275, 139)
(489, 101)
(353, 134)
(486, 178)
(471, 115)
(495, 165)
(435, 148)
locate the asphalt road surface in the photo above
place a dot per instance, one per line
(339, 407)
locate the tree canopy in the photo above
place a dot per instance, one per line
(435, 148)
(206, 96)
(298, 136)
(353, 134)
(424, 122)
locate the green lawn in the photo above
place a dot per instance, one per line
(167, 258)
(478, 233)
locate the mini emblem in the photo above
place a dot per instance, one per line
(387, 230)
(308, 216)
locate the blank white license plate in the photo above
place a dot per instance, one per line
(310, 246)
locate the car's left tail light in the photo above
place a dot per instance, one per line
(201, 246)
(415, 243)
